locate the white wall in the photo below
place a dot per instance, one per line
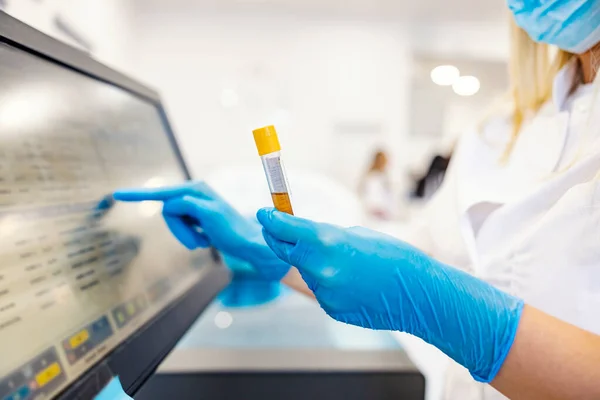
(106, 24)
(316, 80)
(484, 40)
(307, 77)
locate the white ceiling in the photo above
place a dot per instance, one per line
(409, 11)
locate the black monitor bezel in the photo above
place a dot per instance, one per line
(135, 360)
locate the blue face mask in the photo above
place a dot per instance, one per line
(572, 25)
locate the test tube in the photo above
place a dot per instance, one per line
(269, 151)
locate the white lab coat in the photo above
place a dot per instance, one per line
(376, 194)
(530, 226)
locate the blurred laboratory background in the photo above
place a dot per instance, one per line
(340, 80)
(368, 97)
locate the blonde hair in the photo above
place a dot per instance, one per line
(532, 69)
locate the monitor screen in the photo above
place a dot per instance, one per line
(79, 274)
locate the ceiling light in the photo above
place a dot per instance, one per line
(445, 75)
(466, 86)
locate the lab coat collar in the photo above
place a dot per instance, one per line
(563, 84)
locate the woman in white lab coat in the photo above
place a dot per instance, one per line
(375, 189)
(520, 206)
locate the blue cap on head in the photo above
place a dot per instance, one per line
(571, 25)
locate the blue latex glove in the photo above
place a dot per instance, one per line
(375, 281)
(113, 391)
(199, 218)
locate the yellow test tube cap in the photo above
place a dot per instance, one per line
(266, 140)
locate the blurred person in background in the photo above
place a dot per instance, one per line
(426, 185)
(375, 189)
(519, 207)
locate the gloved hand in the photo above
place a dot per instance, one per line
(375, 281)
(199, 218)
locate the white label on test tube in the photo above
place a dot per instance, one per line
(274, 171)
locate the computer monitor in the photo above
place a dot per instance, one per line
(89, 289)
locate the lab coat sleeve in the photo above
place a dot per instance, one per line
(436, 228)
(419, 233)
